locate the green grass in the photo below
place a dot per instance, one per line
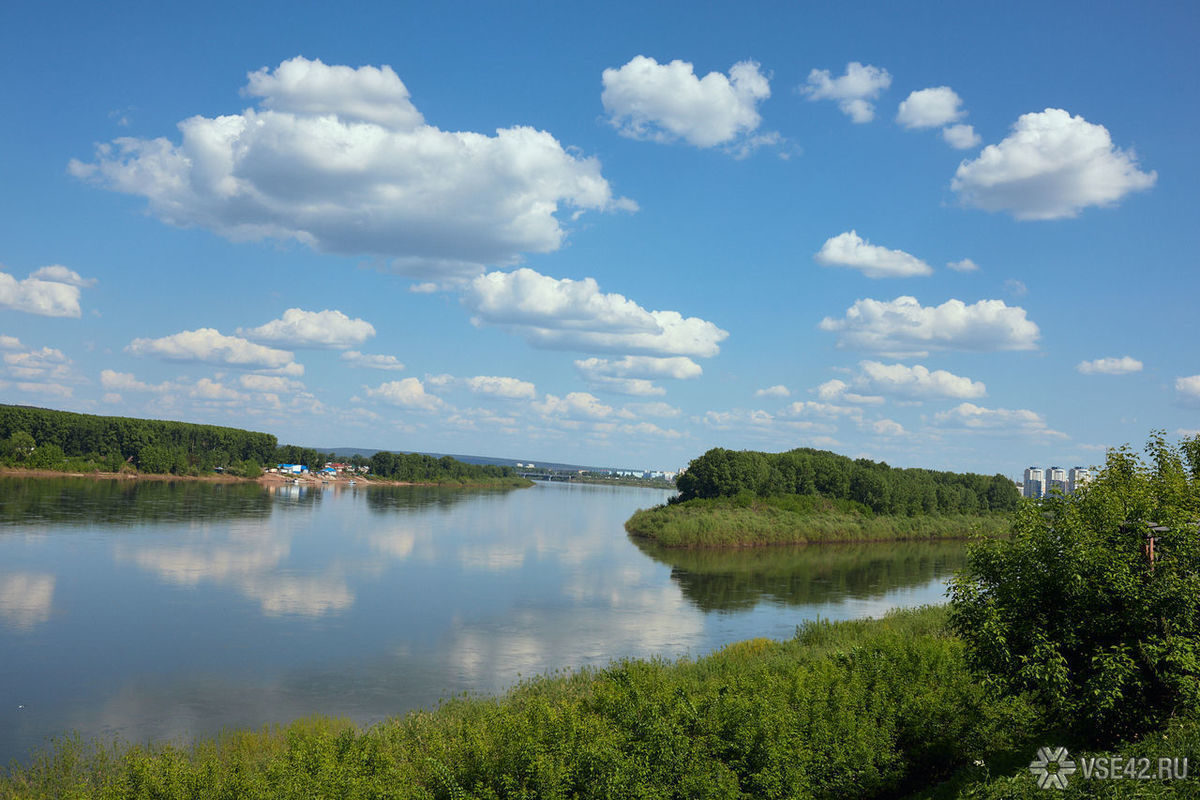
(845, 710)
(795, 519)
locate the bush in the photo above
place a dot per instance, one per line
(1071, 609)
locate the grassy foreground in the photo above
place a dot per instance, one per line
(744, 521)
(854, 709)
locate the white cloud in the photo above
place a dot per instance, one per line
(576, 405)
(128, 382)
(930, 108)
(853, 91)
(666, 102)
(966, 265)
(918, 381)
(508, 388)
(678, 367)
(634, 387)
(274, 384)
(850, 250)
(657, 409)
(407, 393)
(833, 390)
(299, 328)
(57, 273)
(42, 364)
(886, 427)
(10, 343)
(961, 137)
(212, 347)
(977, 418)
(1110, 366)
(1051, 166)
(50, 388)
(371, 361)
(1016, 288)
(1188, 388)
(338, 159)
(650, 429)
(904, 327)
(576, 315)
(808, 408)
(778, 390)
(208, 389)
(39, 295)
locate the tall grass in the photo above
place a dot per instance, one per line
(846, 710)
(745, 522)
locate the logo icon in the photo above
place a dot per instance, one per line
(1052, 767)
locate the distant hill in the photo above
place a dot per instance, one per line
(346, 452)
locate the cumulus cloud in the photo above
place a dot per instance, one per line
(885, 427)
(851, 250)
(212, 347)
(930, 108)
(778, 390)
(10, 343)
(961, 137)
(406, 393)
(497, 386)
(918, 381)
(657, 409)
(1188, 388)
(371, 361)
(273, 384)
(45, 292)
(634, 387)
(678, 367)
(904, 327)
(46, 363)
(576, 315)
(971, 417)
(576, 405)
(836, 390)
(853, 91)
(338, 159)
(1110, 366)
(128, 382)
(667, 102)
(299, 328)
(808, 408)
(966, 265)
(1052, 165)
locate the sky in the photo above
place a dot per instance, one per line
(948, 235)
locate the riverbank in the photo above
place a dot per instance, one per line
(268, 479)
(753, 522)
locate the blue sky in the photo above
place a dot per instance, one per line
(937, 235)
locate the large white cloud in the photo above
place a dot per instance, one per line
(406, 393)
(917, 381)
(853, 90)
(903, 327)
(49, 292)
(961, 137)
(576, 315)
(851, 250)
(1001, 420)
(1052, 165)
(1110, 366)
(299, 328)
(338, 158)
(666, 102)
(930, 108)
(212, 347)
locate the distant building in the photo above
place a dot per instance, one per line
(1034, 484)
(1056, 478)
(1077, 478)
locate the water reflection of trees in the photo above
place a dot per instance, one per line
(88, 501)
(724, 579)
(393, 499)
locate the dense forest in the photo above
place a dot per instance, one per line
(40, 438)
(879, 487)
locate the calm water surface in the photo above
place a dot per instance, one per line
(165, 610)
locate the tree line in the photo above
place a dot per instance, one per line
(42, 438)
(879, 487)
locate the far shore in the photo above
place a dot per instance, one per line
(267, 479)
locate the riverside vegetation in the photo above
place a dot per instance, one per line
(1063, 634)
(739, 498)
(62, 441)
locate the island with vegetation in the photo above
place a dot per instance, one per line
(744, 498)
(41, 440)
(1068, 633)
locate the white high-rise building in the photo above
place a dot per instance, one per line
(1034, 484)
(1056, 478)
(1078, 477)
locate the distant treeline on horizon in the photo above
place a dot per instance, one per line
(43, 438)
(879, 487)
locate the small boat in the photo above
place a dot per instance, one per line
(353, 483)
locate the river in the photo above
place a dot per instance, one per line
(159, 611)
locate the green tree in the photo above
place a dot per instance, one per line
(1072, 610)
(22, 445)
